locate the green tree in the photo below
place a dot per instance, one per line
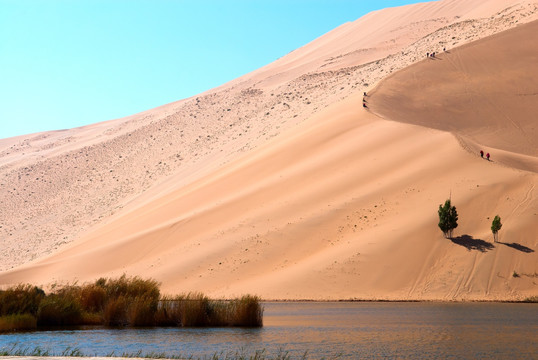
(448, 219)
(495, 227)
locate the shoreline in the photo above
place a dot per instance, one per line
(528, 300)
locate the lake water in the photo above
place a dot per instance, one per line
(328, 330)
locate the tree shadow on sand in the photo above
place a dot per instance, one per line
(472, 244)
(519, 247)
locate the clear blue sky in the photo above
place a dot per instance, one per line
(67, 63)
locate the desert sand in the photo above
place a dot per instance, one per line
(280, 184)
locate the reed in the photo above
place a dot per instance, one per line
(126, 301)
(130, 287)
(141, 311)
(16, 350)
(168, 312)
(92, 298)
(115, 312)
(20, 299)
(247, 312)
(17, 322)
(195, 309)
(58, 310)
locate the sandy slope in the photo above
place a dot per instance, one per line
(344, 208)
(55, 186)
(259, 187)
(486, 93)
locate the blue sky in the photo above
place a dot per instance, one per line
(67, 63)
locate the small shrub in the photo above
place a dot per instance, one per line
(17, 322)
(515, 274)
(495, 227)
(448, 218)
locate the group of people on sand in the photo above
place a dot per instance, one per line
(364, 95)
(432, 54)
(482, 155)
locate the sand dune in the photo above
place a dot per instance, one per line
(485, 92)
(281, 184)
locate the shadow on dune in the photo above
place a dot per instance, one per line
(472, 244)
(518, 247)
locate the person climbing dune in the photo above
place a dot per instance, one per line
(482, 154)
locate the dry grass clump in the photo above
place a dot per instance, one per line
(125, 301)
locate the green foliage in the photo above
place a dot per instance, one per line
(495, 227)
(448, 218)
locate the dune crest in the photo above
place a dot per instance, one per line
(281, 184)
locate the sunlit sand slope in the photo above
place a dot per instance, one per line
(485, 92)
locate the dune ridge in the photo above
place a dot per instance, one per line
(281, 184)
